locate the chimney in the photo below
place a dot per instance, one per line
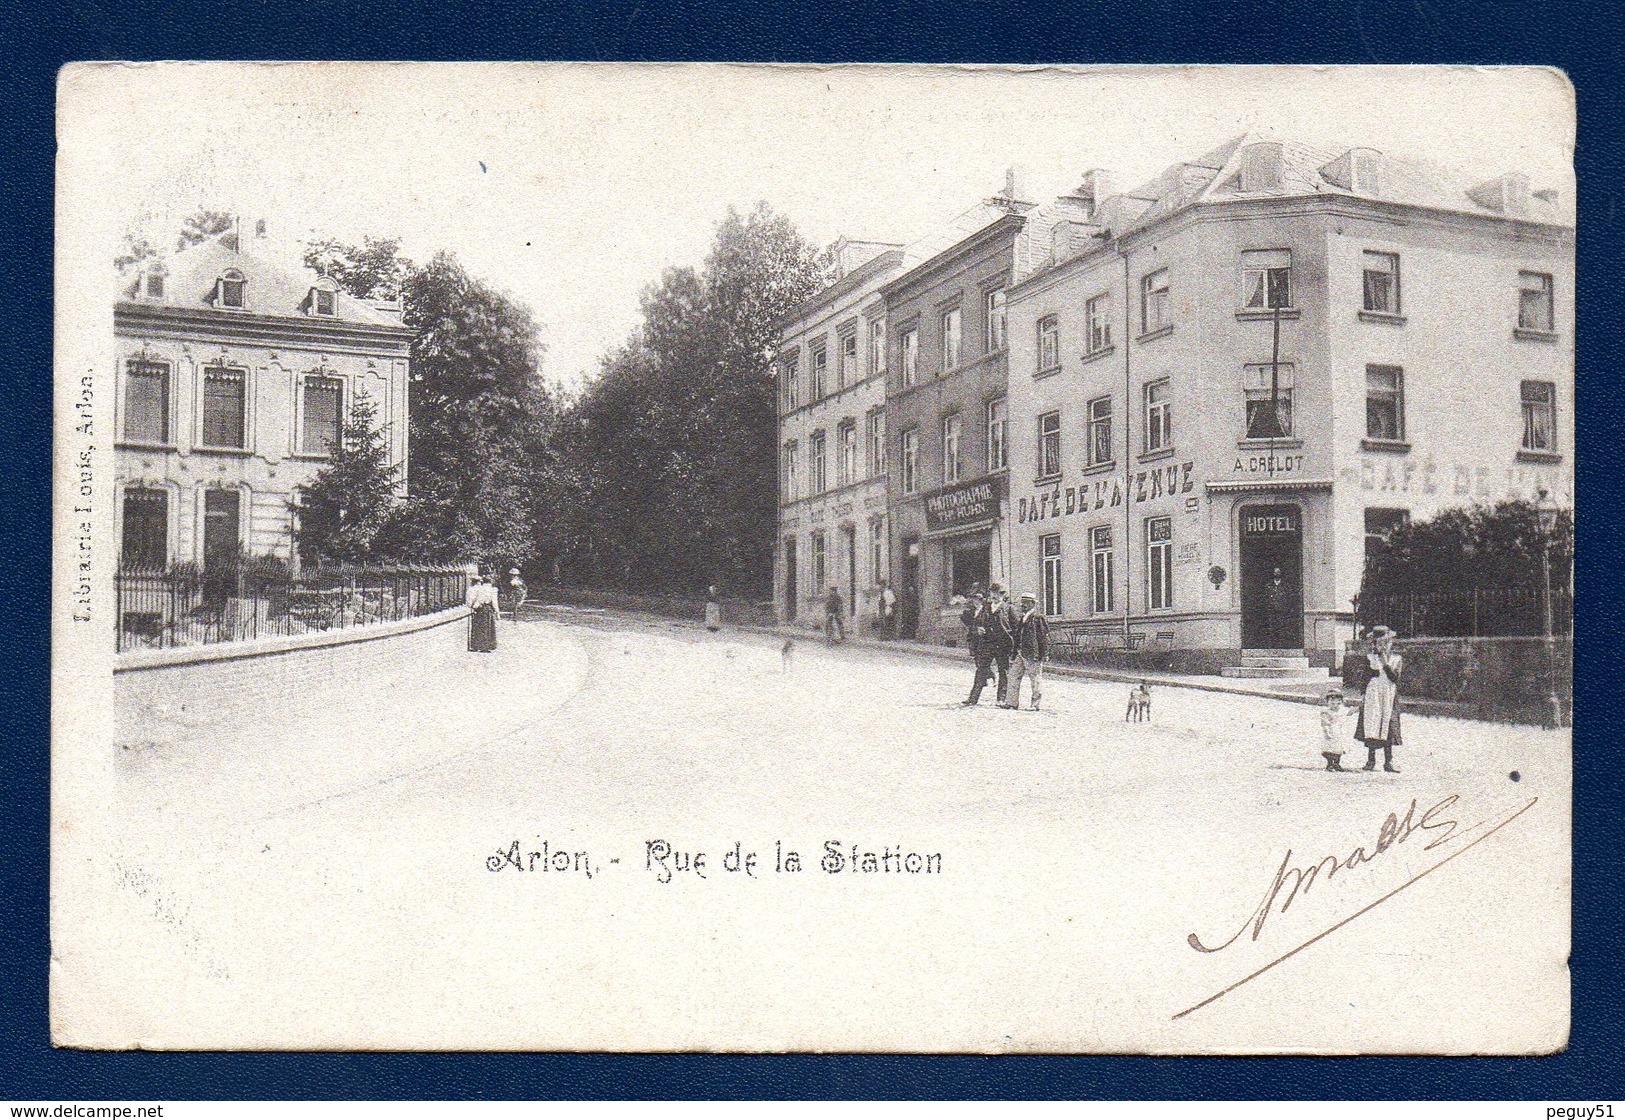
(1010, 199)
(1093, 189)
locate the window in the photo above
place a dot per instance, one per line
(877, 347)
(222, 526)
(877, 550)
(1049, 445)
(1100, 564)
(1049, 344)
(1381, 285)
(146, 401)
(155, 285)
(847, 374)
(950, 340)
(1262, 422)
(1159, 562)
(1534, 301)
(1099, 431)
(1154, 309)
(1384, 402)
(323, 406)
(908, 353)
(1097, 315)
(1266, 279)
(846, 451)
(790, 373)
(911, 461)
(950, 449)
(877, 443)
(1539, 415)
(993, 320)
(324, 299)
(223, 402)
(819, 573)
(1159, 426)
(998, 427)
(1380, 525)
(145, 543)
(816, 383)
(791, 482)
(817, 476)
(1049, 552)
(231, 289)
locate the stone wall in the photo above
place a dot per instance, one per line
(735, 612)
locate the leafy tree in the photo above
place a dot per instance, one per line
(203, 225)
(374, 269)
(1473, 547)
(345, 508)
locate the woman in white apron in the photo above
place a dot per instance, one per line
(1378, 726)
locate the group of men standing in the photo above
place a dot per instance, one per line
(1016, 641)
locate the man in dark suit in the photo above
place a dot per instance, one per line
(1032, 650)
(978, 622)
(1001, 634)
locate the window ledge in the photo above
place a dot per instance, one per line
(1051, 372)
(1287, 443)
(1159, 453)
(142, 445)
(1388, 317)
(1253, 316)
(1527, 456)
(203, 449)
(1160, 332)
(1095, 355)
(1530, 335)
(311, 457)
(1046, 480)
(1100, 468)
(1392, 446)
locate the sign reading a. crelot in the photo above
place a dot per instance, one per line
(965, 504)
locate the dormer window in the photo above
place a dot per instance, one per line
(324, 298)
(230, 289)
(152, 285)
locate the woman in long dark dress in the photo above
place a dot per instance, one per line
(482, 622)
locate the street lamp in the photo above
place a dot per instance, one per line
(1548, 511)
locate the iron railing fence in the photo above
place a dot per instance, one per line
(1493, 612)
(239, 601)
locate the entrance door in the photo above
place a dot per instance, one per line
(908, 589)
(791, 593)
(221, 521)
(1272, 577)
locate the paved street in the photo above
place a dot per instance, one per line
(374, 849)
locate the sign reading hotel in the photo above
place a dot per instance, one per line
(956, 507)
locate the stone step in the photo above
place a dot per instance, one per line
(1272, 653)
(1261, 662)
(1272, 672)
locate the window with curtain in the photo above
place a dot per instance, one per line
(1539, 415)
(145, 537)
(1384, 402)
(1266, 279)
(1099, 430)
(224, 398)
(1049, 445)
(146, 401)
(1256, 393)
(1381, 282)
(321, 430)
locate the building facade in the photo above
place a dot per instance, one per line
(833, 527)
(949, 419)
(1226, 382)
(235, 370)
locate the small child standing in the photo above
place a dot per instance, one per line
(1332, 718)
(1139, 703)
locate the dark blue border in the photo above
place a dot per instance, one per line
(1581, 38)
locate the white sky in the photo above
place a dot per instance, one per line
(597, 176)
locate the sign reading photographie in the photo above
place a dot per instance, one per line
(969, 503)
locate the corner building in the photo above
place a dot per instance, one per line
(1226, 382)
(833, 529)
(948, 417)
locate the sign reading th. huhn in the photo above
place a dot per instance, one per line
(965, 504)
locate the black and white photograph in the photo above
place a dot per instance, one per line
(789, 558)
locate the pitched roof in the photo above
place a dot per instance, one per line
(276, 283)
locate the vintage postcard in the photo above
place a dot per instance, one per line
(813, 558)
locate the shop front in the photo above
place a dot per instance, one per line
(958, 552)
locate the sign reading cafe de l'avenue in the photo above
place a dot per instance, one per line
(1144, 486)
(969, 503)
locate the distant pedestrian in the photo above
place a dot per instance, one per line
(1032, 650)
(1332, 718)
(978, 622)
(833, 623)
(787, 653)
(1378, 726)
(516, 591)
(1139, 703)
(482, 619)
(888, 611)
(713, 610)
